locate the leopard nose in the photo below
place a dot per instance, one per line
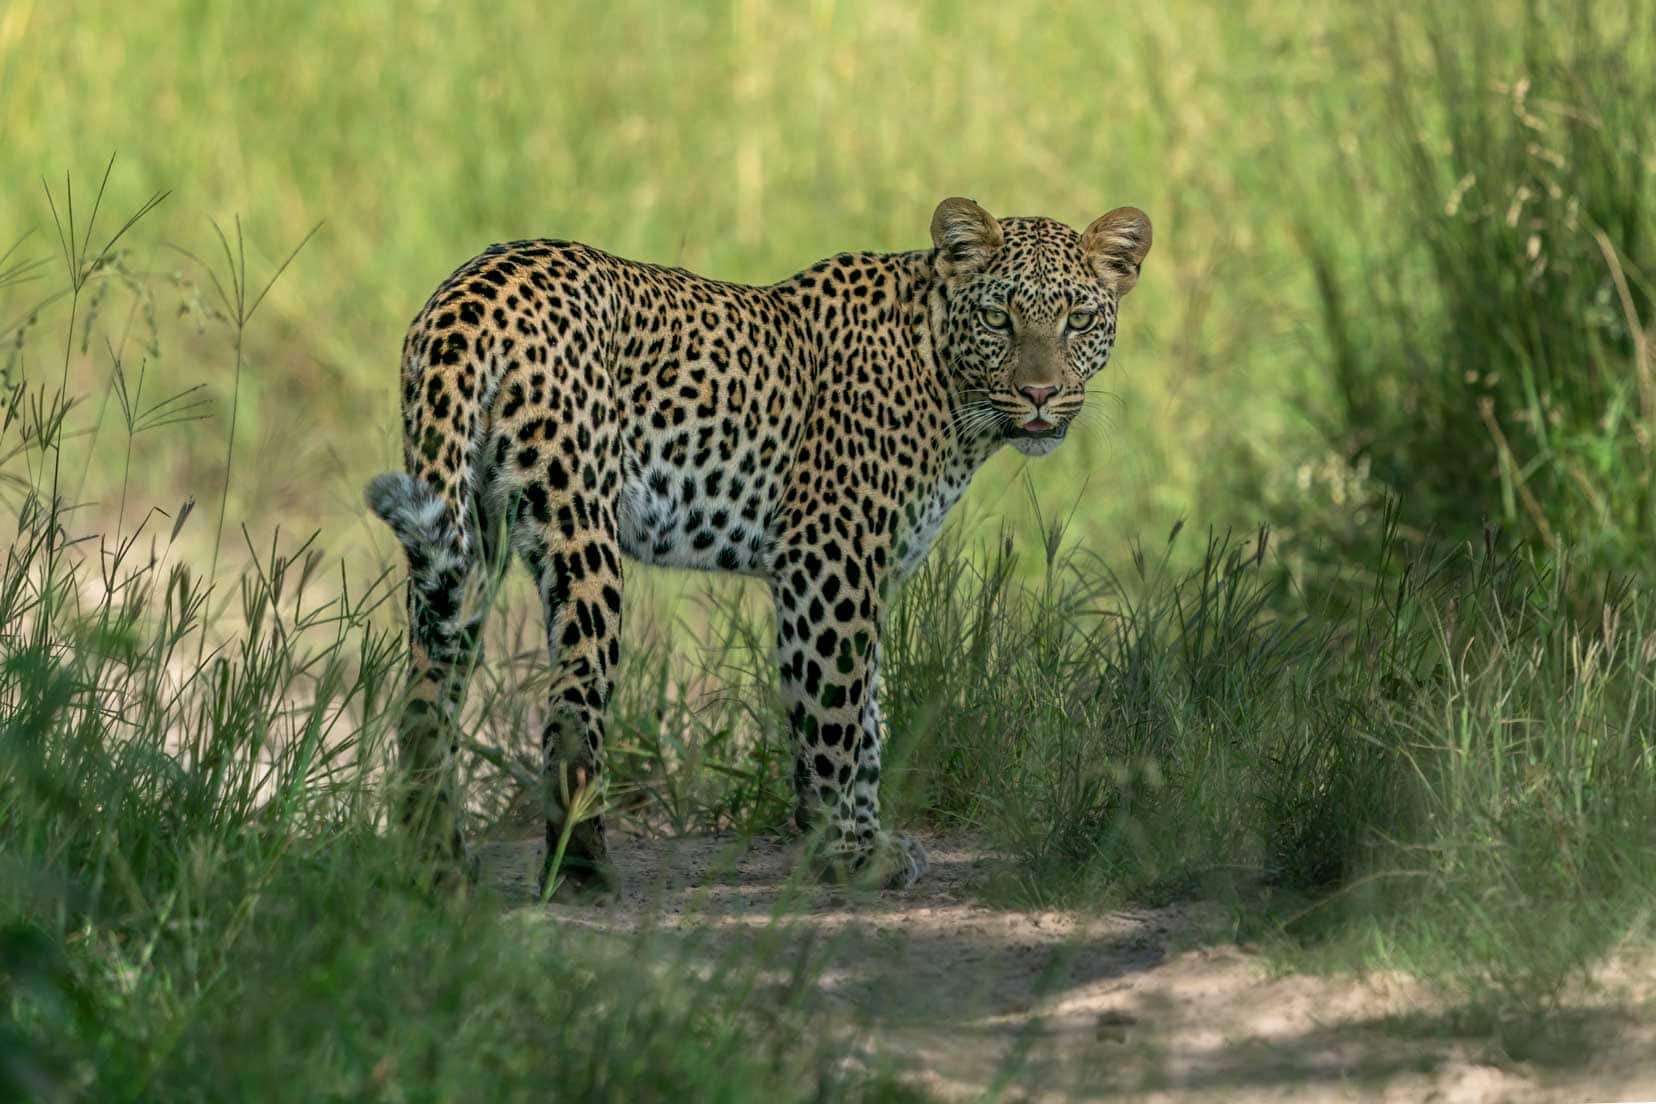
(1037, 395)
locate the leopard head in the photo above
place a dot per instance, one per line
(1027, 315)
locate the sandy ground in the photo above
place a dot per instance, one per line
(968, 1002)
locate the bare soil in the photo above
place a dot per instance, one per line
(964, 1001)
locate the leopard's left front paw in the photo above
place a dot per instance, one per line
(895, 860)
(901, 859)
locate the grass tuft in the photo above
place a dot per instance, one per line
(1492, 342)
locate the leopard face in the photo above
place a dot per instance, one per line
(1028, 315)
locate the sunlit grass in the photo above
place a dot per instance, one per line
(743, 139)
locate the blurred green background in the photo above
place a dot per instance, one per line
(744, 140)
(1351, 209)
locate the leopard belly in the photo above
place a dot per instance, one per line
(703, 518)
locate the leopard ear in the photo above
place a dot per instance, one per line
(1116, 244)
(966, 236)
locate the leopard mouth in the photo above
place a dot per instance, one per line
(1036, 429)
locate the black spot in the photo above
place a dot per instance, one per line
(534, 496)
(844, 664)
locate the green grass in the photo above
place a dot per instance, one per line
(1409, 723)
(1491, 348)
(677, 134)
(1455, 769)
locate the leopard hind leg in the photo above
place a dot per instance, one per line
(452, 553)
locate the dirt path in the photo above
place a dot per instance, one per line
(968, 1000)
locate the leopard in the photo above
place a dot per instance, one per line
(576, 411)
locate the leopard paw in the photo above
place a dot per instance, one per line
(895, 860)
(584, 870)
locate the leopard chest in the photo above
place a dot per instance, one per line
(924, 516)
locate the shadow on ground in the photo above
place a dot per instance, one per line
(965, 1000)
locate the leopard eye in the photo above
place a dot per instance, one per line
(995, 318)
(1082, 320)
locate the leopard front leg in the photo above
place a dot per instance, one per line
(828, 648)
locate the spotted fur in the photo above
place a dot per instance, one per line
(813, 433)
